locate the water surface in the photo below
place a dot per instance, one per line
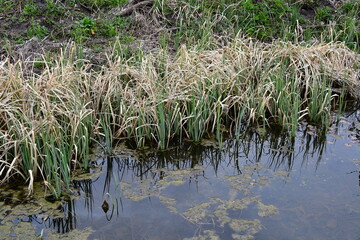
(268, 186)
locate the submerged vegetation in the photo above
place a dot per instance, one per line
(217, 66)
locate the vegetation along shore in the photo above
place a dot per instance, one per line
(80, 73)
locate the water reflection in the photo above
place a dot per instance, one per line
(66, 224)
(212, 191)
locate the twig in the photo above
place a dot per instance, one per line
(127, 11)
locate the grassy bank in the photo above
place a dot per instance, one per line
(156, 72)
(50, 120)
(153, 23)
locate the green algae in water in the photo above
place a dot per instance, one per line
(242, 237)
(34, 205)
(13, 225)
(86, 176)
(222, 215)
(177, 177)
(146, 188)
(266, 210)
(72, 235)
(208, 235)
(216, 210)
(246, 181)
(22, 230)
(239, 204)
(283, 174)
(26, 231)
(198, 213)
(170, 203)
(249, 227)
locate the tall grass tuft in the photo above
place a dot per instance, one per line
(48, 122)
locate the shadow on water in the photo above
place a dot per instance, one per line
(240, 190)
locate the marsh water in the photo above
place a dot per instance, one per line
(267, 186)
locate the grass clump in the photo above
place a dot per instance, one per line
(88, 28)
(37, 30)
(324, 14)
(49, 120)
(54, 9)
(99, 4)
(6, 5)
(83, 29)
(30, 9)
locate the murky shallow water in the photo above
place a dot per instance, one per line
(267, 187)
